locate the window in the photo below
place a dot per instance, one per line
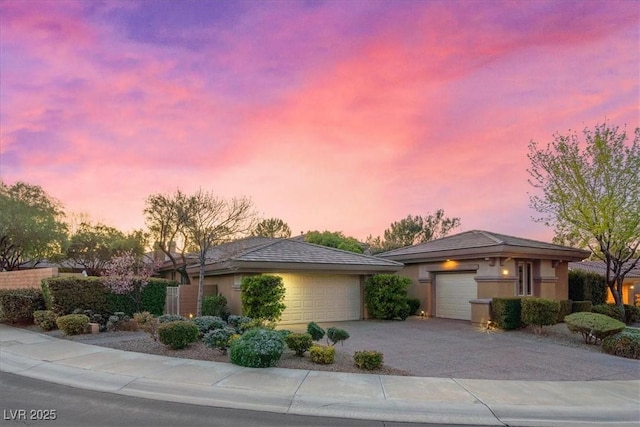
(525, 279)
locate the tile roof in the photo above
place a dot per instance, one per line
(479, 241)
(600, 268)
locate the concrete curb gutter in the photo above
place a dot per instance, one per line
(319, 393)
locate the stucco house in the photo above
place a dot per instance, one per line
(322, 284)
(630, 285)
(456, 276)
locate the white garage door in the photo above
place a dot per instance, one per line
(453, 292)
(320, 298)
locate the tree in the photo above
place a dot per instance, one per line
(272, 227)
(210, 221)
(128, 274)
(589, 192)
(92, 246)
(334, 240)
(166, 218)
(413, 230)
(31, 226)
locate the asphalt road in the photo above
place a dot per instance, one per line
(27, 402)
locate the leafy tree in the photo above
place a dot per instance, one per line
(31, 226)
(262, 296)
(210, 221)
(128, 274)
(166, 217)
(92, 246)
(413, 230)
(385, 296)
(272, 227)
(334, 240)
(589, 192)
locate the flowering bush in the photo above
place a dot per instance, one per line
(257, 348)
(128, 275)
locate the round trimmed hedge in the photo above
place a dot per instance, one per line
(257, 348)
(178, 334)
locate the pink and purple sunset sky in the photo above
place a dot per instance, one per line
(341, 115)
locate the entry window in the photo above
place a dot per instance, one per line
(525, 278)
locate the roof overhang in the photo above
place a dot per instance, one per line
(231, 267)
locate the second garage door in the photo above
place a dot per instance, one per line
(320, 298)
(453, 292)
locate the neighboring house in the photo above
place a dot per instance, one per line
(322, 284)
(457, 276)
(630, 285)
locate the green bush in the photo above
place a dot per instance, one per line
(219, 339)
(581, 306)
(18, 305)
(506, 313)
(594, 327)
(316, 332)
(610, 310)
(46, 319)
(624, 344)
(73, 324)
(215, 305)
(167, 318)
(240, 323)
(262, 296)
(385, 296)
(539, 312)
(299, 343)
(67, 294)
(414, 305)
(565, 309)
(178, 334)
(587, 286)
(209, 323)
(119, 321)
(368, 360)
(257, 348)
(631, 314)
(322, 355)
(148, 323)
(152, 298)
(336, 335)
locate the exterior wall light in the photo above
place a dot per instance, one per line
(505, 272)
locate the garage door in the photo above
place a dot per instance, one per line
(320, 298)
(453, 292)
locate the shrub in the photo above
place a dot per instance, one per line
(631, 314)
(299, 343)
(262, 296)
(414, 305)
(610, 310)
(594, 327)
(178, 334)
(507, 312)
(322, 355)
(624, 344)
(67, 294)
(565, 309)
(367, 359)
(539, 312)
(99, 318)
(257, 348)
(238, 322)
(166, 318)
(336, 335)
(215, 305)
(581, 306)
(119, 321)
(385, 296)
(73, 324)
(209, 323)
(18, 305)
(587, 286)
(46, 319)
(148, 323)
(316, 332)
(219, 339)
(153, 297)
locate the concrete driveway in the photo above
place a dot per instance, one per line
(452, 348)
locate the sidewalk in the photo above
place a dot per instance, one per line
(332, 394)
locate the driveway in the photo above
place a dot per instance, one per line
(452, 348)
